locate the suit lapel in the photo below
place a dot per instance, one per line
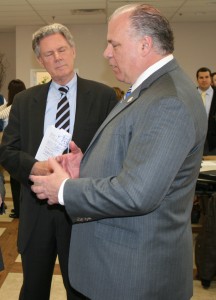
(213, 106)
(82, 106)
(38, 109)
(124, 104)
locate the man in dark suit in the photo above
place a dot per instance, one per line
(208, 94)
(44, 231)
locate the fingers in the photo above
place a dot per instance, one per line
(35, 178)
(74, 148)
(52, 162)
(54, 165)
(50, 202)
(59, 159)
(41, 196)
(37, 186)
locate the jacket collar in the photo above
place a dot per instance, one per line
(123, 104)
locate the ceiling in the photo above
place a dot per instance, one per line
(41, 12)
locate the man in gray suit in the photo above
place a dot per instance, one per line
(131, 204)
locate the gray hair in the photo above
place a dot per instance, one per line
(49, 30)
(148, 21)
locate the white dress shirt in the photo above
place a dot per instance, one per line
(152, 69)
(53, 98)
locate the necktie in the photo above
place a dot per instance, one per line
(128, 92)
(203, 95)
(63, 110)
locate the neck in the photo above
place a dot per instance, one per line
(64, 80)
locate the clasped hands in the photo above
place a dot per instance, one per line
(47, 176)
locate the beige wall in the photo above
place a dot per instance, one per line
(194, 47)
(7, 46)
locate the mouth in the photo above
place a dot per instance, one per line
(114, 68)
(60, 67)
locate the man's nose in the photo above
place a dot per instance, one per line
(107, 52)
(57, 55)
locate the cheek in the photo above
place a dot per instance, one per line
(41, 62)
(69, 59)
(121, 58)
(50, 69)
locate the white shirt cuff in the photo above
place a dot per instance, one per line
(61, 191)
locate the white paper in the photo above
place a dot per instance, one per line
(208, 165)
(54, 142)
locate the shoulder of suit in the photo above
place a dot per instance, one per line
(37, 88)
(214, 94)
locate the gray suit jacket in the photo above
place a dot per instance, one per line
(137, 183)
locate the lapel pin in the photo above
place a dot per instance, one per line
(130, 99)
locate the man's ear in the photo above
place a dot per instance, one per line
(74, 51)
(146, 45)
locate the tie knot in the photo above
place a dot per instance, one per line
(64, 89)
(203, 95)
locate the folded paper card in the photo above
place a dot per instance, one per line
(54, 142)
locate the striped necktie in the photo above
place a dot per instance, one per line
(63, 110)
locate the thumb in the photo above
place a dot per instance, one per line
(73, 147)
(54, 165)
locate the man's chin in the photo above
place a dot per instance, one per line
(119, 78)
(118, 75)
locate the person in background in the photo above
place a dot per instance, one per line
(2, 78)
(208, 95)
(130, 194)
(214, 79)
(44, 231)
(2, 102)
(2, 193)
(2, 186)
(119, 93)
(2, 210)
(1, 262)
(15, 86)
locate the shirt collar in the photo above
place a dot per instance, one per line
(70, 84)
(152, 69)
(209, 91)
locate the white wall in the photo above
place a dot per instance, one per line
(195, 47)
